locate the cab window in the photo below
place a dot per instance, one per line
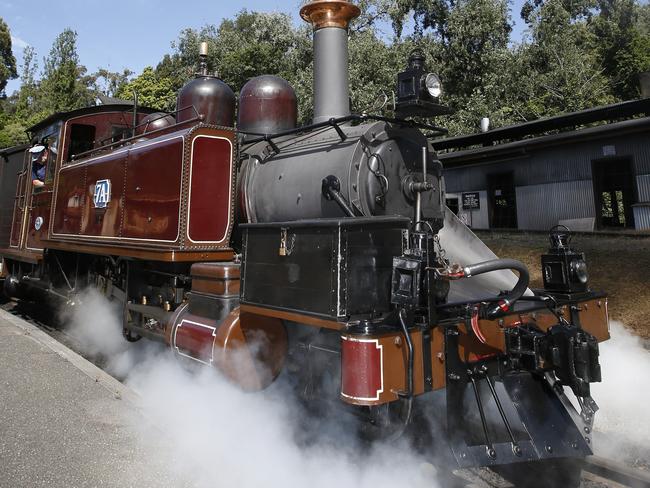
(82, 139)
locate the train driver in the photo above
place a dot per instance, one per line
(40, 154)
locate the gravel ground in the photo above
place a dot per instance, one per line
(618, 265)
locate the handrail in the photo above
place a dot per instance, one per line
(124, 141)
(335, 121)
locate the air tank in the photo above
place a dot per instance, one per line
(207, 96)
(267, 104)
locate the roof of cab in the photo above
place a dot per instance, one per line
(95, 109)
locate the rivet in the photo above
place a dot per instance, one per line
(398, 341)
(149, 219)
(549, 449)
(441, 357)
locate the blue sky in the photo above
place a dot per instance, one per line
(118, 34)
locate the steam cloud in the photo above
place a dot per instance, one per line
(623, 423)
(219, 436)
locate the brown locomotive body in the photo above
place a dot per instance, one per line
(326, 241)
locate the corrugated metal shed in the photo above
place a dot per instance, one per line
(540, 207)
(552, 174)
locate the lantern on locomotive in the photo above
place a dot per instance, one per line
(564, 269)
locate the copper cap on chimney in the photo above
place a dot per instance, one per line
(329, 13)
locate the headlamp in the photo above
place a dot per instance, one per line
(433, 85)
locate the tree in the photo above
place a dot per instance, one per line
(249, 45)
(153, 90)
(64, 86)
(426, 14)
(560, 71)
(109, 83)
(7, 59)
(621, 44)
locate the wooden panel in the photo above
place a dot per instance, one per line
(104, 222)
(153, 191)
(69, 200)
(39, 218)
(210, 192)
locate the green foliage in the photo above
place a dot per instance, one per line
(64, 85)
(576, 54)
(109, 83)
(622, 45)
(153, 90)
(7, 59)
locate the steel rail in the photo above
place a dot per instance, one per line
(618, 472)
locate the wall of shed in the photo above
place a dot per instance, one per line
(555, 183)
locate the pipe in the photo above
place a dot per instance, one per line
(409, 379)
(330, 20)
(505, 302)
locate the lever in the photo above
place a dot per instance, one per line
(332, 191)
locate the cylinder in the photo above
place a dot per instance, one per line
(362, 361)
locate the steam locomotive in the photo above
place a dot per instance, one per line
(323, 252)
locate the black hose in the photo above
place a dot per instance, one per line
(505, 302)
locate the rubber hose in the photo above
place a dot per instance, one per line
(496, 265)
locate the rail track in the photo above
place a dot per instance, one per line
(617, 472)
(598, 472)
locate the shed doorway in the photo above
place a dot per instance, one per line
(503, 201)
(613, 180)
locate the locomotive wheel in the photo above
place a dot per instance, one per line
(550, 473)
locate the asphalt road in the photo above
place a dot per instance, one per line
(64, 422)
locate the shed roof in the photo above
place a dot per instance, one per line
(515, 148)
(616, 111)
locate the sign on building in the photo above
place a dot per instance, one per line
(471, 201)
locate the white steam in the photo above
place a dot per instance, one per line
(623, 397)
(218, 436)
(94, 323)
